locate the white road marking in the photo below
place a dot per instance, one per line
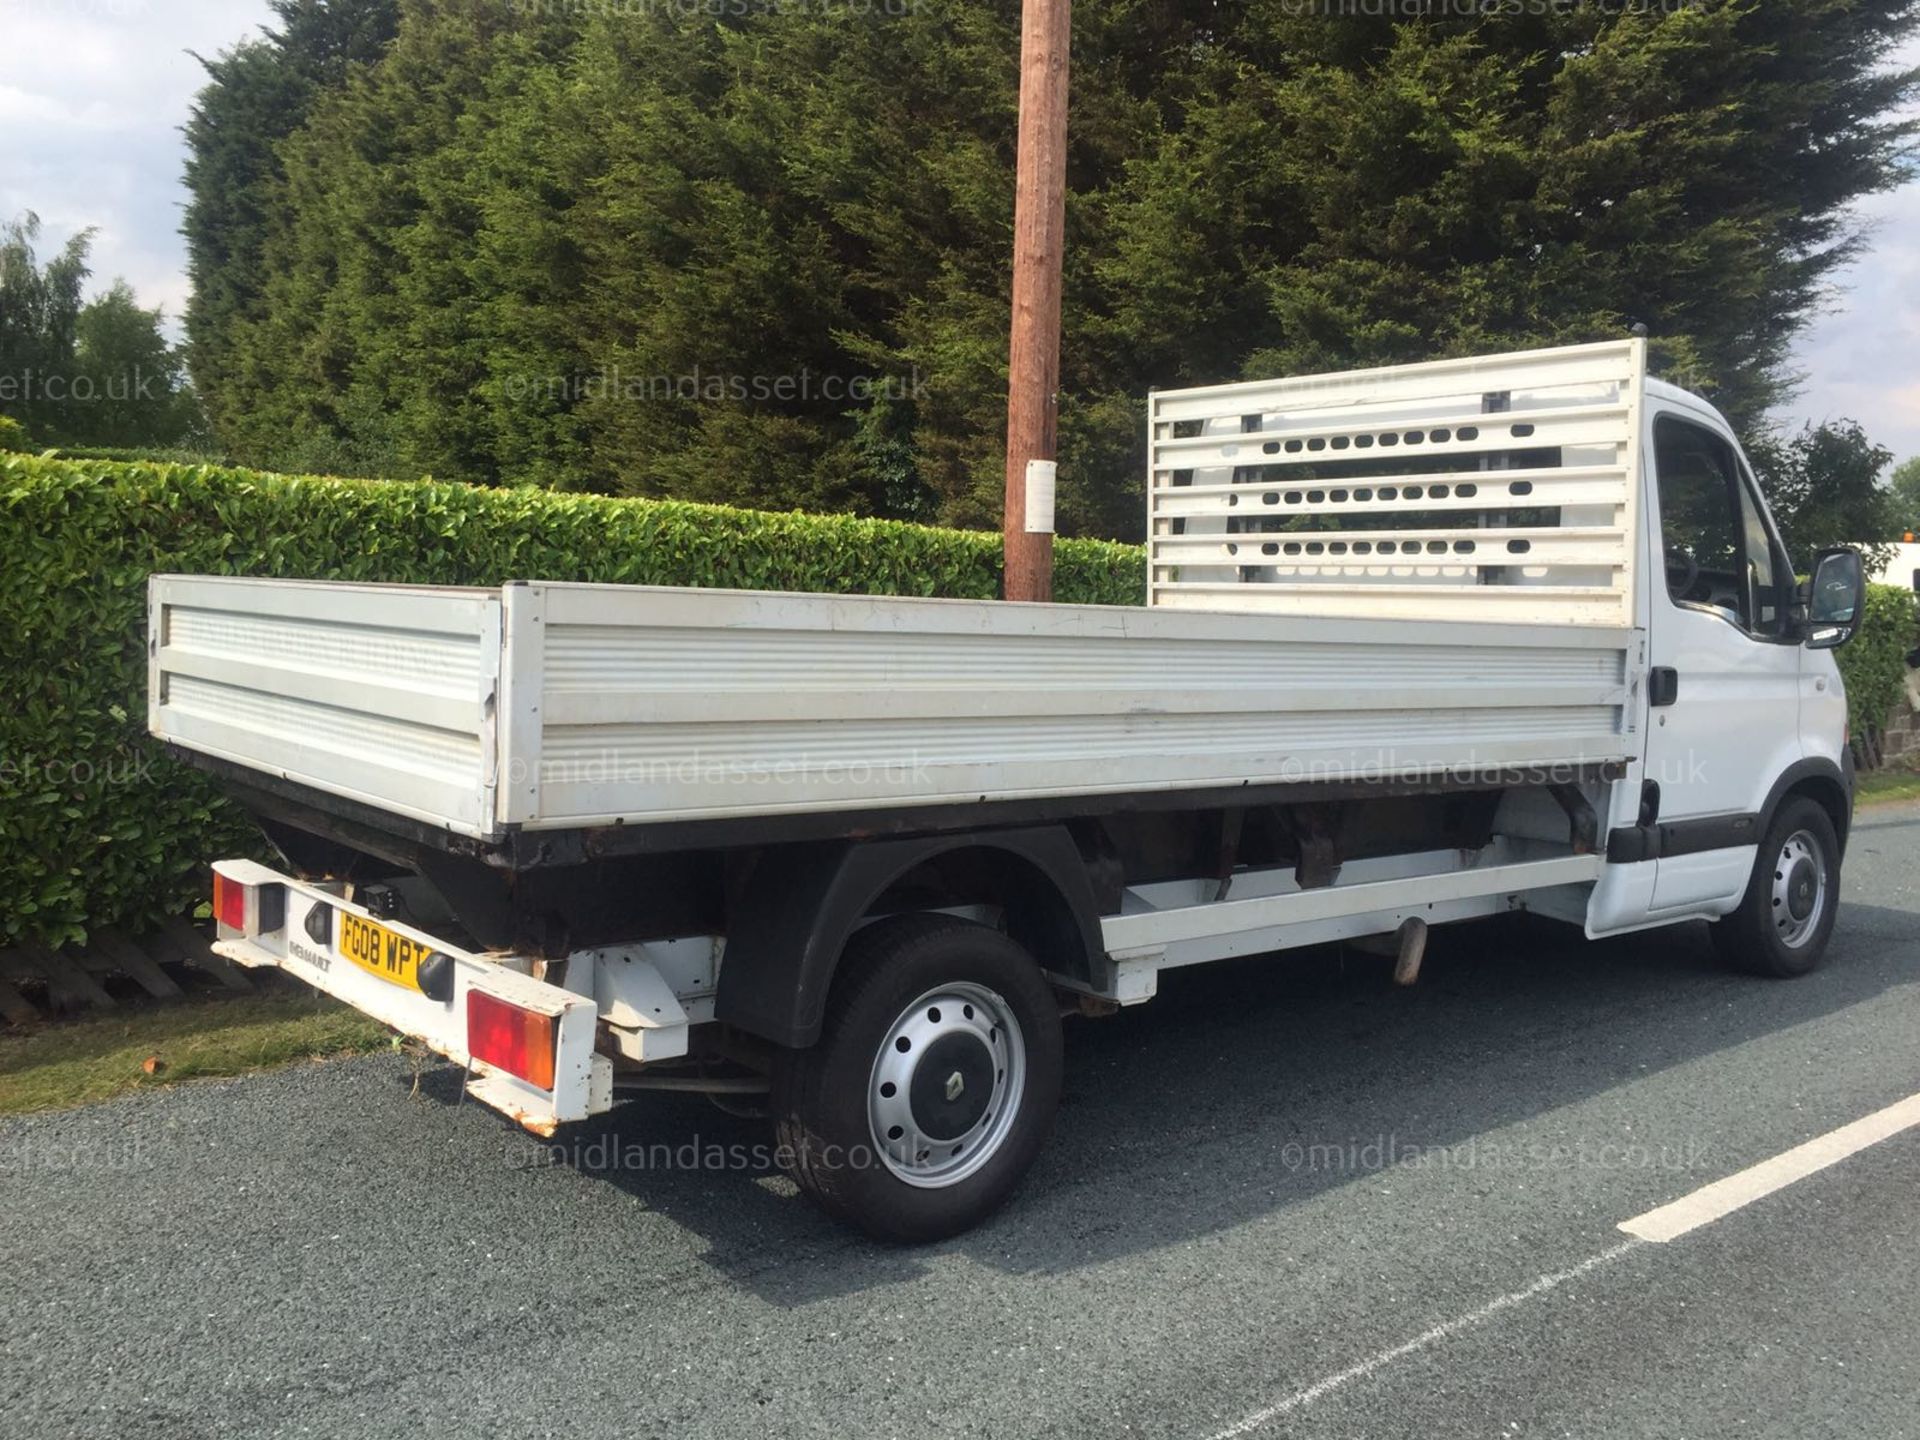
(1321, 1388)
(1723, 1197)
(1690, 1212)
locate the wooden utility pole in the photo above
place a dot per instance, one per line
(1033, 353)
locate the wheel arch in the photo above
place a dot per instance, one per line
(790, 919)
(1821, 781)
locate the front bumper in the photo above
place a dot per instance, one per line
(582, 1080)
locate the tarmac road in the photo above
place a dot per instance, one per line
(1283, 1199)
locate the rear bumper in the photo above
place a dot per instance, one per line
(582, 1080)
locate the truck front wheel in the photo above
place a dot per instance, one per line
(934, 1082)
(1784, 919)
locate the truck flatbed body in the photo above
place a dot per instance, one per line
(538, 709)
(1422, 646)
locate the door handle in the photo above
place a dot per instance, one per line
(1663, 685)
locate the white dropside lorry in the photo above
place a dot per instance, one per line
(1421, 644)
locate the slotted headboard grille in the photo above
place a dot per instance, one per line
(1499, 487)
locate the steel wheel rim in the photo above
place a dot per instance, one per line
(1799, 889)
(970, 1035)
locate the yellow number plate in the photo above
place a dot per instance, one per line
(380, 951)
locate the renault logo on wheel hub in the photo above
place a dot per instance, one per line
(955, 1084)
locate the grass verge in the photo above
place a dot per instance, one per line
(79, 1062)
(1878, 787)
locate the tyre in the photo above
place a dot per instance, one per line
(1784, 919)
(934, 1082)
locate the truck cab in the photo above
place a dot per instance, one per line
(1744, 701)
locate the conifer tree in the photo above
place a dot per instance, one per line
(761, 256)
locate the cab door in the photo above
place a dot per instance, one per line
(1724, 687)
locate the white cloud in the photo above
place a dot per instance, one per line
(92, 97)
(1862, 358)
(23, 108)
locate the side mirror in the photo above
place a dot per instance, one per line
(1836, 599)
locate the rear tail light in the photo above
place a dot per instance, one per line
(512, 1039)
(229, 902)
(248, 909)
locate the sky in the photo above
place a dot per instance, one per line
(1862, 357)
(93, 94)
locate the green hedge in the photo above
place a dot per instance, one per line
(98, 828)
(171, 455)
(1874, 667)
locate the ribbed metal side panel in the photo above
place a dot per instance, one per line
(444, 664)
(378, 694)
(351, 737)
(667, 705)
(1489, 488)
(590, 660)
(555, 706)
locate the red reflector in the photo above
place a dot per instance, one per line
(517, 1041)
(229, 902)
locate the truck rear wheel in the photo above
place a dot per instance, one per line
(1784, 919)
(934, 1082)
